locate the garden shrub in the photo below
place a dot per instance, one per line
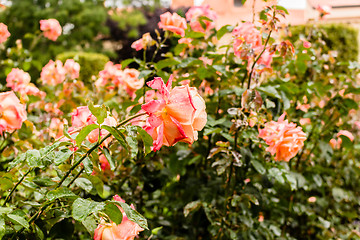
(337, 37)
(91, 63)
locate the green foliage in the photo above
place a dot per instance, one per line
(91, 63)
(129, 21)
(335, 37)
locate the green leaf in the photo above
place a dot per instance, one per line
(258, 167)
(19, 159)
(133, 215)
(90, 224)
(5, 210)
(118, 135)
(84, 183)
(84, 132)
(33, 158)
(270, 91)
(88, 166)
(66, 133)
(195, 35)
(192, 206)
(82, 208)
(62, 192)
(2, 227)
(166, 63)
(282, 8)
(43, 181)
(144, 74)
(126, 62)
(114, 213)
(111, 161)
(18, 220)
(99, 112)
(223, 30)
(146, 138)
(132, 141)
(62, 155)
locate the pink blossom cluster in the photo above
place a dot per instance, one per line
(12, 112)
(116, 77)
(248, 44)
(193, 15)
(4, 33)
(54, 73)
(284, 139)
(19, 81)
(51, 28)
(126, 230)
(176, 116)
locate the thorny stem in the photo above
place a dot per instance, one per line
(16, 185)
(257, 59)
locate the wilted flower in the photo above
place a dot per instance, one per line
(143, 43)
(284, 139)
(51, 28)
(126, 230)
(173, 23)
(53, 73)
(4, 33)
(176, 116)
(193, 15)
(12, 112)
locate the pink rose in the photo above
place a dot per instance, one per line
(306, 44)
(173, 23)
(112, 73)
(143, 43)
(195, 13)
(176, 116)
(104, 163)
(56, 127)
(126, 230)
(12, 112)
(248, 34)
(284, 139)
(51, 28)
(4, 33)
(82, 117)
(131, 81)
(17, 79)
(72, 68)
(53, 73)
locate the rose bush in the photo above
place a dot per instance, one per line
(191, 139)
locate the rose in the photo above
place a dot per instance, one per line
(12, 112)
(53, 73)
(72, 68)
(246, 33)
(131, 81)
(173, 23)
(176, 116)
(4, 33)
(112, 73)
(126, 230)
(51, 28)
(17, 79)
(193, 15)
(143, 43)
(284, 139)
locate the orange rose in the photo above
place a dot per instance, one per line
(176, 116)
(173, 23)
(132, 81)
(126, 230)
(284, 139)
(12, 112)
